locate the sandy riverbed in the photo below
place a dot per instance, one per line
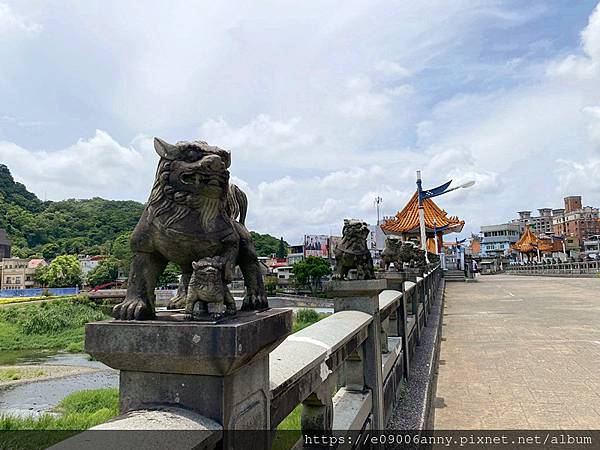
(30, 373)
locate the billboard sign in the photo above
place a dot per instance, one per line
(316, 245)
(334, 241)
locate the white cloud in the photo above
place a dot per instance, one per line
(13, 24)
(579, 176)
(593, 124)
(94, 167)
(584, 66)
(392, 69)
(322, 108)
(364, 102)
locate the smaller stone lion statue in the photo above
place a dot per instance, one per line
(391, 252)
(405, 254)
(412, 255)
(352, 251)
(208, 297)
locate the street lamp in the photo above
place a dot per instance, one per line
(424, 194)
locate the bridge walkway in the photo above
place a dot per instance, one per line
(520, 353)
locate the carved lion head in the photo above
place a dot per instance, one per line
(354, 234)
(190, 175)
(393, 243)
(207, 279)
(195, 169)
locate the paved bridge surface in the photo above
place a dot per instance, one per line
(520, 353)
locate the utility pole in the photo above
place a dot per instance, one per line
(378, 201)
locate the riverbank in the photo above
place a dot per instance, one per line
(58, 324)
(9, 301)
(11, 376)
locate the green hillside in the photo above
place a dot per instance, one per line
(72, 226)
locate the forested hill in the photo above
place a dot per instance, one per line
(71, 226)
(66, 227)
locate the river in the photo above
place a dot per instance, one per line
(38, 397)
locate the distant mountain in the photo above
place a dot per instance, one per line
(72, 226)
(66, 227)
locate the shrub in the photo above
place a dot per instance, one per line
(52, 317)
(90, 401)
(307, 315)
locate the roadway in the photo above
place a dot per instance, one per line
(520, 353)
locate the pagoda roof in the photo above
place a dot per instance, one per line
(529, 243)
(407, 220)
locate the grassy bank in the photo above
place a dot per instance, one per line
(51, 325)
(17, 300)
(22, 373)
(59, 324)
(85, 409)
(78, 411)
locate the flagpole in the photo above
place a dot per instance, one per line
(422, 216)
(435, 237)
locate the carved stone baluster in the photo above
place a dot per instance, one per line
(317, 413)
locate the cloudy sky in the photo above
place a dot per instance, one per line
(324, 105)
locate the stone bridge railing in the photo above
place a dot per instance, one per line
(564, 269)
(344, 370)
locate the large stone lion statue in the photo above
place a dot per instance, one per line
(192, 213)
(352, 251)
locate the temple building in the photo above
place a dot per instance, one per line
(532, 246)
(437, 223)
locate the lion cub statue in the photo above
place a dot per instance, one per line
(208, 296)
(352, 251)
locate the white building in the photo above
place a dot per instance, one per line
(497, 239)
(88, 263)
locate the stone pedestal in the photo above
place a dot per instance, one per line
(395, 279)
(363, 295)
(411, 274)
(220, 371)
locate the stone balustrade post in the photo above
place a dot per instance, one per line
(398, 326)
(363, 295)
(317, 411)
(217, 370)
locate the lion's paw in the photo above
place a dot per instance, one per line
(132, 309)
(177, 302)
(255, 301)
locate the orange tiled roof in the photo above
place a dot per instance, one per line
(408, 219)
(529, 243)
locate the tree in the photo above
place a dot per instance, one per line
(105, 272)
(50, 250)
(40, 274)
(63, 271)
(265, 244)
(121, 250)
(282, 249)
(170, 275)
(310, 271)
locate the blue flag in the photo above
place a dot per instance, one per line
(435, 191)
